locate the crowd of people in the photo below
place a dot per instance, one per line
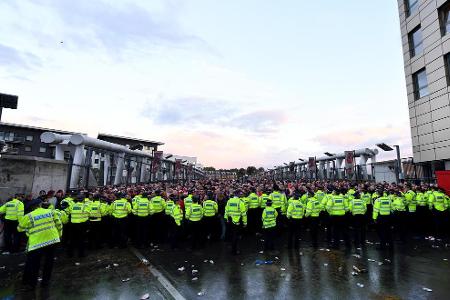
(195, 213)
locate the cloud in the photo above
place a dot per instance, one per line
(200, 112)
(187, 111)
(117, 26)
(262, 121)
(349, 139)
(14, 59)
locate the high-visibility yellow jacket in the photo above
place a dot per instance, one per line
(141, 207)
(120, 208)
(42, 226)
(235, 209)
(79, 212)
(269, 217)
(195, 212)
(13, 210)
(210, 208)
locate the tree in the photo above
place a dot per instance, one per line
(251, 170)
(209, 169)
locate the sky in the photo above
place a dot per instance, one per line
(234, 83)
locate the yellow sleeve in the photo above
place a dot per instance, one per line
(24, 223)
(3, 209)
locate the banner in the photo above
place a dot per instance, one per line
(349, 162)
(177, 166)
(156, 163)
(312, 164)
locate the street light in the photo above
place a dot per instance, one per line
(329, 154)
(301, 159)
(7, 101)
(398, 166)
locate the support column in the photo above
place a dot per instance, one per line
(119, 168)
(321, 169)
(78, 158)
(59, 152)
(338, 168)
(106, 166)
(363, 166)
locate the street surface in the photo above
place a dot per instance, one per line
(212, 273)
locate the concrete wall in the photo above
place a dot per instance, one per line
(429, 115)
(385, 172)
(30, 174)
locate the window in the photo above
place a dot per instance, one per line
(447, 67)
(96, 161)
(411, 6)
(444, 18)
(29, 138)
(42, 149)
(2, 135)
(27, 148)
(420, 84)
(415, 41)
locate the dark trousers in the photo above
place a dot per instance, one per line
(339, 229)
(314, 230)
(119, 232)
(421, 222)
(326, 223)
(254, 219)
(33, 265)
(234, 230)
(95, 234)
(11, 236)
(174, 234)
(210, 227)
(359, 230)
(77, 238)
(439, 218)
(269, 237)
(384, 231)
(401, 219)
(142, 227)
(295, 226)
(158, 231)
(196, 233)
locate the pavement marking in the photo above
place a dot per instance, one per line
(161, 278)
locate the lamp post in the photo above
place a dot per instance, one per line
(398, 165)
(7, 101)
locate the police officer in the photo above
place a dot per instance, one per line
(44, 230)
(13, 211)
(382, 209)
(141, 210)
(358, 208)
(96, 212)
(438, 204)
(120, 209)
(194, 215)
(236, 216)
(175, 225)
(313, 209)
(399, 215)
(210, 210)
(158, 205)
(254, 221)
(79, 215)
(269, 220)
(295, 214)
(337, 207)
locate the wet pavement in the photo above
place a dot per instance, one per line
(307, 273)
(213, 273)
(95, 277)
